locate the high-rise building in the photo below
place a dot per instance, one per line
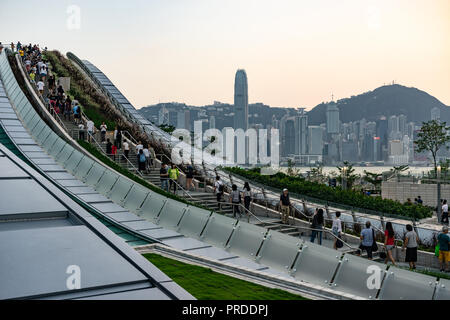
(240, 100)
(435, 113)
(332, 118)
(212, 122)
(402, 125)
(301, 133)
(315, 140)
(289, 137)
(393, 127)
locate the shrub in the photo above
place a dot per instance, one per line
(337, 195)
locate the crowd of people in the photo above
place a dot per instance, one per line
(368, 242)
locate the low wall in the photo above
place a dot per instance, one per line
(401, 191)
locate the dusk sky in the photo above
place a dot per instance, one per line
(296, 53)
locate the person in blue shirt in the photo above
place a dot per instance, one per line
(367, 240)
(444, 253)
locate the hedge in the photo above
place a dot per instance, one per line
(316, 190)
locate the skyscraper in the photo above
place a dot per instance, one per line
(315, 140)
(240, 100)
(332, 118)
(301, 132)
(435, 113)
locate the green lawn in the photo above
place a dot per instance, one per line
(205, 284)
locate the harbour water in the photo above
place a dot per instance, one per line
(412, 170)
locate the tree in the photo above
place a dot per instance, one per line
(373, 178)
(316, 174)
(291, 171)
(432, 136)
(348, 173)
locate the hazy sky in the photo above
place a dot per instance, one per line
(296, 53)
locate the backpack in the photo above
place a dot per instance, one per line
(221, 187)
(142, 158)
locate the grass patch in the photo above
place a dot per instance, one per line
(205, 284)
(107, 161)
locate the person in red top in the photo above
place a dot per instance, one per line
(389, 238)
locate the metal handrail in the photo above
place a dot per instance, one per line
(293, 226)
(130, 137)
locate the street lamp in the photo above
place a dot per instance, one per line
(439, 207)
(344, 182)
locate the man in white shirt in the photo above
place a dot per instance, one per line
(336, 228)
(147, 157)
(445, 212)
(40, 86)
(103, 128)
(81, 131)
(139, 146)
(90, 129)
(39, 66)
(126, 148)
(218, 190)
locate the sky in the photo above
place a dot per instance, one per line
(296, 53)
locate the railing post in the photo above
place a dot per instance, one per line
(305, 207)
(383, 223)
(327, 210)
(265, 201)
(356, 226)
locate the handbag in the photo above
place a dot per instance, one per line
(339, 243)
(374, 244)
(436, 250)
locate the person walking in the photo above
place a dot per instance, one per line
(103, 128)
(445, 212)
(285, 204)
(147, 157)
(367, 239)
(81, 131)
(152, 156)
(173, 176)
(218, 190)
(90, 129)
(246, 191)
(317, 225)
(235, 199)
(336, 228)
(119, 139)
(126, 149)
(108, 147)
(189, 177)
(141, 161)
(114, 152)
(163, 177)
(389, 242)
(444, 255)
(411, 244)
(139, 147)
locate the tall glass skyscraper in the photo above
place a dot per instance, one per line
(240, 101)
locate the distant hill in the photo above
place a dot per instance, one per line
(384, 101)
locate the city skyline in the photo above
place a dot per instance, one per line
(296, 53)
